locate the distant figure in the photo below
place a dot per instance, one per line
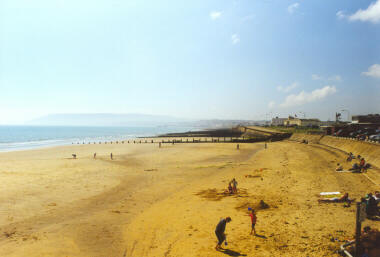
(355, 168)
(253, 221)
(350, 157)
(94, 155)
(111, 156)
(219, 232)
(343, 199)
(159, 144)
(229, 189)
(265, 145)
(371, 202)
(74, 156)
(362, 164)
(237, 146)
(339, 167)
(234, 185)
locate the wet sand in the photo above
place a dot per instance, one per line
(166, 201)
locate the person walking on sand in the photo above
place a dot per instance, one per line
(94, 155)
(219, 232)
(111, 156)
(253, 221)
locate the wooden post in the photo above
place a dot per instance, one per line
(358, 230)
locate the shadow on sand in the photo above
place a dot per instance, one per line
(261, 236)
(231, 252)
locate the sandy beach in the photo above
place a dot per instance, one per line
(151, 201)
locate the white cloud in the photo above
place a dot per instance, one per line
(271, 104)
(235, 39)
(373, 71)
(335, 78)
(306, 97)
(340, 15)
(215, 15)
(371, 14)
(293, 7)
(288, 88)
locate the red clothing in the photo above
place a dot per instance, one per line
(253, 218)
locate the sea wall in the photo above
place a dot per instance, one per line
(369, 150)
(311, 138)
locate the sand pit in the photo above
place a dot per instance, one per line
(255, 205)
(217, 195)
(152, 201)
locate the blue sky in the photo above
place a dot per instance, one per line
(195, 59)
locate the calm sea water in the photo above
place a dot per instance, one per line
(28, 137)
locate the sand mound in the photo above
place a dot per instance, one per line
(299, 137)
(217, 195)
(258, 205)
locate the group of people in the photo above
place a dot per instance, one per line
(362, 166)
(232, 187)
(371, 202)
(221, 227)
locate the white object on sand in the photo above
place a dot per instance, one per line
(329, 193)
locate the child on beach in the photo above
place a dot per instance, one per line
(253, 220)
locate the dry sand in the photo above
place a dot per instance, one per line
(167, 202)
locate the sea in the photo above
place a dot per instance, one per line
(14, 138)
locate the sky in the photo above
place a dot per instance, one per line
(199, 59)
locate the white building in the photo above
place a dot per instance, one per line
(278, 121)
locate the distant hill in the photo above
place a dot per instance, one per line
(106, 119)
(132, 120)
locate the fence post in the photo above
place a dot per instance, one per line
(358, 229)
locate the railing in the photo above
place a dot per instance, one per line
(356, 139)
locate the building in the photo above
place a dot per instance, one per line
(292, 121)
(370, 118)
(278, 121)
